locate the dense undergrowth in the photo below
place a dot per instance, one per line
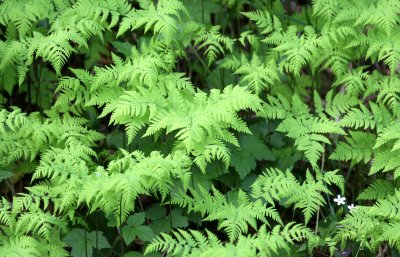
(199, 128)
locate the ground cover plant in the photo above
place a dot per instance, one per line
(199, 128)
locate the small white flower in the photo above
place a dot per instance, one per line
(97, 174)
(339, 200)
(351, 206)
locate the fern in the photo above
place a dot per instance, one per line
(354, 82)
(258, 75)
(326, 9)
(17, 130)
(161, 17)
(384, 19)
(309, 133)
(387, 92)
(201, 132)
(379, 189)
(373, 225)
(275, 185)
(380, 47)
(265, 21)
(26, 14)
(194, 243)
(234, 215)
(214, 42)
(297, 51)
(142, 120)
(357, 148)
(28, 246)
(131, 176)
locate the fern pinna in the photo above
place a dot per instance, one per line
(199, 128)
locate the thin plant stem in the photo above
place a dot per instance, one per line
(120, 226)
(200, 59)
(3, 99)
(358, 251)
(170, 210)
(202, 11)
(197, 217)
(322, 170)
(316, 223)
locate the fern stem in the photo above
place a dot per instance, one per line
(358, 251)
(289, 18)
(197, 217)
(222, 75)
(200, 59)
(348, 174)
(287, 7)
(237, 10)
(29, 93)
(2, 92)
(97, 232)
(308, 18)
(316, 223)
(39, 77)
(112, 247)
(170, 210)
(11, 187)
(269, 4)
(322, 170)
(202, 11)
(120, 227)
(124, 140)
(140, 204)
(323, 159)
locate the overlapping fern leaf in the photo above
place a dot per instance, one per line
(275, 185)
(266, 243)
(234, 214)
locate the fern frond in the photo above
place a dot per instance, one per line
(214, 42)
(309, 135)
(265, 21)
(161, 17)
(43, 224)
(388, 94)
(265, 243)
(357, 148)
(386, 160)
(297, 50)
(258, 75)
(339, 104)
(359, 118)
(327, 9)
(275, 185)
(25, 14)
(138, 175)
(379, 189)
(234, 215)
(354, 81)
(21, 246)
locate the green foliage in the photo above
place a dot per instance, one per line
(275, 185)
(134, 228)
(252, 149)
(199, 128)
(194, 243)
(83, 242)
(235, 215)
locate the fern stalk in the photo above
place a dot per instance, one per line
(120, 224)
(322, 170)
